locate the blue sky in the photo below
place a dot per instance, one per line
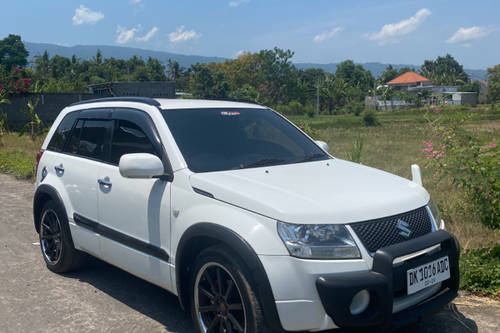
(321, 31)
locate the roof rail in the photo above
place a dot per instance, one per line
(145, 100)
(241, 100)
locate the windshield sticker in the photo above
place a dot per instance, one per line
(229, 113)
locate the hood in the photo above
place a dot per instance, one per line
(332, 191)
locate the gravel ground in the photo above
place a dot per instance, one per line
(102, 298)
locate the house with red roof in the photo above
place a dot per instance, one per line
(409, 80)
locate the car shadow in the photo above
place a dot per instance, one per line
(163, 307)
(142, 296)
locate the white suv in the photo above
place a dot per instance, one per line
(248, 220)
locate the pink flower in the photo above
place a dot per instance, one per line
(492, 144)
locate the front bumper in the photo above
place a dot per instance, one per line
(386, 283)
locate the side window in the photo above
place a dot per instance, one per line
(62, 133)
(93, 137)
(129, 138)
(72, 145)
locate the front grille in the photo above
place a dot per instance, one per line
(378, 233)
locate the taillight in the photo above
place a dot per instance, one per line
(38, 158)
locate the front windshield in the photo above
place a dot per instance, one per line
(226, 139)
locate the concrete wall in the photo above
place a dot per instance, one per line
(49, 106)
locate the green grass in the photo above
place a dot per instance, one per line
(18, 163)
(18, 155)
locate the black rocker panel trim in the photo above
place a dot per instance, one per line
(121, 238)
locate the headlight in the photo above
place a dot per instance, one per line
(435, 214)
(318, 241)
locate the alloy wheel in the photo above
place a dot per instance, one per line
(50, 236)
(218, 300)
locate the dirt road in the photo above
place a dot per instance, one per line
(102, 298)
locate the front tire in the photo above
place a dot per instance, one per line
(222, 298)
(55, 240)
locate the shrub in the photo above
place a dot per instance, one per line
(480, 270)
(370, 118)
(355, 154)
(471, 164)
(354, 108)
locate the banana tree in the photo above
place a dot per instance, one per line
(35, 126)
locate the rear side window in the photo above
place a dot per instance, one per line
(129, 138)
(93, 137)
(62, 133)
(90, 138)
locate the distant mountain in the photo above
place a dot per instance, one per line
(120, 52)
(86, 52)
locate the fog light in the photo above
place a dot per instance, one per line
(360, 302)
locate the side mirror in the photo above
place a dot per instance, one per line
(323, 145)
(140, 165)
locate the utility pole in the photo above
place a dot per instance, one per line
(317, 97)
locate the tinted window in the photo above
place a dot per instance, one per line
(223, 139)
(129, 138)
(63, 132)
(72, 145)
(93, 139)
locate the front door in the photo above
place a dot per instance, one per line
(135, 213)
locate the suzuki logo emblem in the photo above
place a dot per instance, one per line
(404, 227)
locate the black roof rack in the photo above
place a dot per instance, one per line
(145, 100)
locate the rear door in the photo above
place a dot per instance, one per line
(135, 213)
(77, 167)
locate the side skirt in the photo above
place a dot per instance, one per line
(121, 238)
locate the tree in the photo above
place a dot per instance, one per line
(355, 75)
(389, 74)
(12, 52)
(494, 84)
(444, 71)
(206, 83)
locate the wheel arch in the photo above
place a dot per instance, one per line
(43, 194)
(203, 235)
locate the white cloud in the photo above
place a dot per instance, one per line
(135, 2)
(125, 35)
(464, 35)
(327, 34)
(84, 15)
(181, 35)
(239, 53)
(236, 3)
(148, 36)
(392, 30)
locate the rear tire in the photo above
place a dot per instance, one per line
(222, 298)
(55, 240)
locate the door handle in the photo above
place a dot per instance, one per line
(59, 169)
(105, 182)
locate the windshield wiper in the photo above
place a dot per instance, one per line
(312, 157)
(262, 162)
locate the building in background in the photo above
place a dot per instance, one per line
(410, 89)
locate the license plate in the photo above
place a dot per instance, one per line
(424, 276)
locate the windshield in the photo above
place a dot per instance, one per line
(226, 139)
